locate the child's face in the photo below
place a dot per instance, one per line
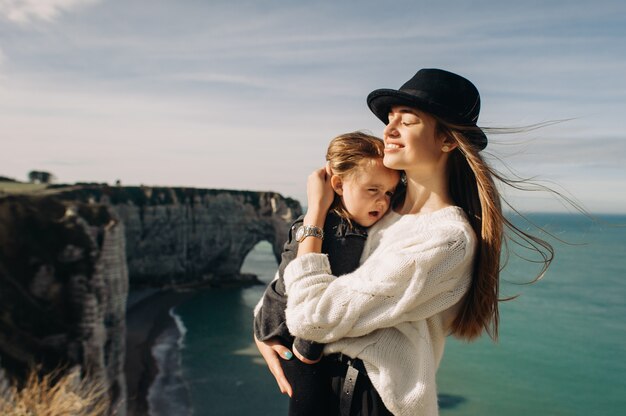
(366, 194)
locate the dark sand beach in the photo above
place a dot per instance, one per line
(147, 317)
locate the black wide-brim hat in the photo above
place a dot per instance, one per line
(444, 94)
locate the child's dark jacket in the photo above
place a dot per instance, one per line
(343, 242)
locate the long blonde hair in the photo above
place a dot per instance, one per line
(472, 187)
(346, 154)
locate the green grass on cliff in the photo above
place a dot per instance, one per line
(138, 195)
(21, 187)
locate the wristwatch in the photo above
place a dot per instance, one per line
(305, 231)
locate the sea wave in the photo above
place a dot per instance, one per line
(182, 329)
(169, 393)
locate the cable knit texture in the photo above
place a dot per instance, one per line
(394, 311)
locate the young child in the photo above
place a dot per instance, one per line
(363, 189)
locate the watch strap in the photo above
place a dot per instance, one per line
(309, 231)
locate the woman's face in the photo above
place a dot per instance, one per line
(366, 193)
(410, 140)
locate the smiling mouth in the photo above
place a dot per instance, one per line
(393, 146)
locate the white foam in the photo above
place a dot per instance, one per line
(182, 329)
(169, 392)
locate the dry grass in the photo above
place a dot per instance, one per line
(51, 395)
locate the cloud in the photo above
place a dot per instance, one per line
(182, 92)
(28, 11)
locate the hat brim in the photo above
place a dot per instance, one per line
(381, 101)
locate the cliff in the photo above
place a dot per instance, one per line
(63, 289)
(186, 236)
(68, 253)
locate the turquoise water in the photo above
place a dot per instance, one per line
(562, 347)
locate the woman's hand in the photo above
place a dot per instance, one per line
(320, 193)
(270, 350)
(320, 196)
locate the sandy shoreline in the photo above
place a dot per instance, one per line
(147, 317)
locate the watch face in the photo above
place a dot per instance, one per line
(299, 233)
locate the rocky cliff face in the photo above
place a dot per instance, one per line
(66, 255)
(63, 289)
(185, 236)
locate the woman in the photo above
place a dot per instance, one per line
(429, 268)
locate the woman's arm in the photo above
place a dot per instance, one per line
(316, 215)
(396, 284)
(320, 195)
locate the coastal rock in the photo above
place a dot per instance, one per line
(66, 254)
(178, 237)
(63, 290)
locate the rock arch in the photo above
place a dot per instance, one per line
(260, 262)
(187, 236)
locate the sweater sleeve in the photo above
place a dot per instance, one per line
(401, 283)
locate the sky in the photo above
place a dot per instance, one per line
(247, 94)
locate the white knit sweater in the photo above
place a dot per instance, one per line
(394, 311)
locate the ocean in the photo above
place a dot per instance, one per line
(561, 351)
